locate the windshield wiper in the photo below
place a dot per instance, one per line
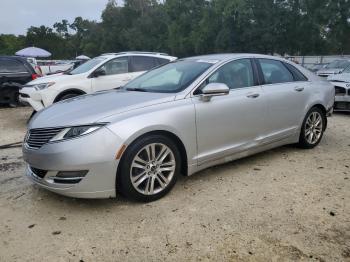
(137, 89)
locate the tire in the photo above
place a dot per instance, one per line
(10, 94)
(137, 172)
(14, 101)
(312, 129)
(67, 96)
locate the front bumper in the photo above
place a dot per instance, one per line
(342, 103)
(32, 97)
(94, 152)
(37, 99)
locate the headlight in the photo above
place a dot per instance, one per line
(43, 86)
(73, 132)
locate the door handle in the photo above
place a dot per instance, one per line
(255, 95)
(299, 89)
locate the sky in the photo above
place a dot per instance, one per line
(18, 15)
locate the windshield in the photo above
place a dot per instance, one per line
(347, 70)
(87, 66)
(339, 64)
(170, 78)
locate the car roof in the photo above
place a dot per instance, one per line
(137, 53)
(229, 56)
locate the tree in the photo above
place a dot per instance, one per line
(10, 44)
(191, 27)
(62, 28)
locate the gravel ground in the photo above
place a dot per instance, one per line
(285, 204)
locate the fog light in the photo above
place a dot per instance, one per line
(69, 177)
(72, 174)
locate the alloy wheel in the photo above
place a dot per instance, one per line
(152, 169)
(313, 127)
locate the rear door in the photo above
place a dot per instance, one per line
(287, 91)
(117, 75)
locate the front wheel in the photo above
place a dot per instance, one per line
(312, 129)
(149, 168)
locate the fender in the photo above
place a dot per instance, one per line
(69, 91)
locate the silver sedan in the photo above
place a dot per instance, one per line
(177, 119)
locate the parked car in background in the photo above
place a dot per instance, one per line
(317, 67)
(333, 68)
(181, 117)
(341, 84)
(33, 62)
(54, 66)
(14, 72)
(101, 73)
(72, 65)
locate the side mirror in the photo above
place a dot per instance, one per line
(214, 89)
(99, 72)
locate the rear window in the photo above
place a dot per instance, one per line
(12, 66)
(142, 63)
(298, 76)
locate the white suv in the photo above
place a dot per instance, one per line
(104, 72)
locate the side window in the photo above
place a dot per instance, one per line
(161, 61)
(275, 72)
(142, 63)
(11, 66)
(298, 76)
(116, 66)
(236, 74)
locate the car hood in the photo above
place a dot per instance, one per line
(91, 108)
(54, 78)
(345, 77)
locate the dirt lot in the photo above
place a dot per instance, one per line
(285, 204)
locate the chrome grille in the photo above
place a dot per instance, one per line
(36, 138)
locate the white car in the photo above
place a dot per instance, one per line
(334, 68)
(341, 84)
(104, 72)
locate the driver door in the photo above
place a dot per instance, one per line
(230, 123)
(116, 75)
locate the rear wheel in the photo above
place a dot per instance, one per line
(312, 129)
(149, 168)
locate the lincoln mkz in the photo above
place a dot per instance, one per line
(179, 118)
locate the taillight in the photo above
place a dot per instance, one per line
(34, 76)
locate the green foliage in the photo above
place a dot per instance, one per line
(10, 44)
(191, 27)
